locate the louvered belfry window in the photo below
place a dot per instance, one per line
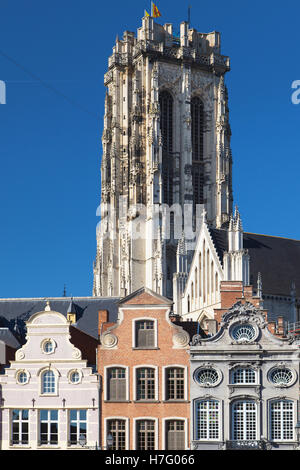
(175, 435)
(144, 334)
(197, 113)
(116, 387)
(166, 126)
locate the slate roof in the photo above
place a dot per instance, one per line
(8, 338)
(276, 258)
(192, 328)
(15, 312)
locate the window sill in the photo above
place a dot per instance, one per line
(146, 401)
(176, 401)
(117, 401)
(146, 349)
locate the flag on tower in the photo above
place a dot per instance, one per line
(155, 11)
(146, 13)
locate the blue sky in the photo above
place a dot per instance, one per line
(50, 136)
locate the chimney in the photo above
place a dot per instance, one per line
(102, 318)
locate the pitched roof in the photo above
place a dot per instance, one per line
(15, 312)
(276, 258)
(8, 338)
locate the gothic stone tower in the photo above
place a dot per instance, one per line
(166, 141)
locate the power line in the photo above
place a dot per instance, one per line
(48, 86)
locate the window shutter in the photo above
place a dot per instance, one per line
(113, 385)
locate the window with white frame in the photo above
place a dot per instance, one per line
(49, 427)
(145, 435)
(145, 383)
(243, 375)
(145, 334)
(20, 425)
(78, 426)
(207, 420)
(116, 384)
(244, 421)
(282, 420)
(48, 382)
(175, 383)
(117, 428)
(175, 434)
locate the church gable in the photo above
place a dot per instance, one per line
(144, 297)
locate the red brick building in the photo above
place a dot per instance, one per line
(143, 360)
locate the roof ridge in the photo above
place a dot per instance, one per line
(272, 236)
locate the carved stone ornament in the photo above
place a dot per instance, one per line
(181, 339)
(109, 340)
(76, 354)
(244, 313)
(20, 355)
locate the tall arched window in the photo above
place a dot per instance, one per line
(282, 420)
(244, 421)
(207, 420)
(197, 113)
(166, 126)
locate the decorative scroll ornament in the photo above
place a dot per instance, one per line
(181, 339)
(109, 340)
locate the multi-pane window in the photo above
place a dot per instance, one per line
(166, 126)
(20, 421)
(175, 383)
(117, 428)
(145, 435)
(116, 384)
(243, 376)
(48, 427)
(48, 382)
(144, 334)
(145, 381)
(78, 426)
(244, 418)
(282, 420)
(207, 420)
(175, 435)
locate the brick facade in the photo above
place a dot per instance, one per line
(118, 348)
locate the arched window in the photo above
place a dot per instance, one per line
(282, 420)
(197, 113)
(116, 384)
(166, 126)
(196, 283)
(207, 420)
(48, 382)
(244, 421)
(200, 270)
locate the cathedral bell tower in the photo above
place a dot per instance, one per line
(166, 143)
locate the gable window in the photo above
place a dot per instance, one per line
(207, 420)
(145, 384)
(175, 386)
(117, 428)
(49, 427)
(282, 420)
(175, 435)
(145, 431)
(78, 426)
(20, 423)
(48, 382)
(116, 384)
(243, 375)
(145, 334)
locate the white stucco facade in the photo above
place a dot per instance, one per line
(49, 397)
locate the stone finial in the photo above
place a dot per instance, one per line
(47, 308)
(259, 285)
